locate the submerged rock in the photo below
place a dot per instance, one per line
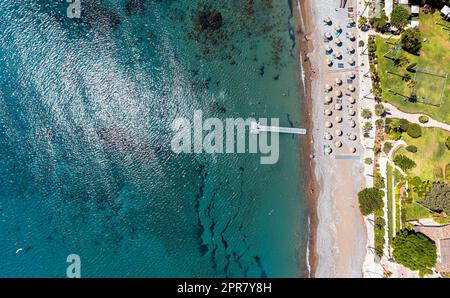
(210, 19)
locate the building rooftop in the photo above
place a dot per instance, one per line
(445, 11)
(415, 9)
(441, 236)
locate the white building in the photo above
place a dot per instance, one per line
(445, 11)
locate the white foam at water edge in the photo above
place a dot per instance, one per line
(308, 266)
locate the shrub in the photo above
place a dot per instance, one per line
(368, 161)
(414, 250)
(447, 171)
(404, 124)
(414, 130)
(447, 143)
(404, 162)
(423, 119)
(411, 148)
(378, 181)
(395, 135)
(370, 199)
(387, 147)
(411, 41)
(379, 109)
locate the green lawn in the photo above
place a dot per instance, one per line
(389, 201)
(432, 156)
(397, 208)
(416, 211)
(434, 58)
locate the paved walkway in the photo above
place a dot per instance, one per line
(414, 118)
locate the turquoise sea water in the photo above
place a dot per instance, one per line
(85, 161)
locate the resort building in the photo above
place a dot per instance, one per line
(445, 11)
(441, 236)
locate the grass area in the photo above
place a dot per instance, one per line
(431, 157)
(434, 58)
(397, 208)
(389, 201)
(416, 211)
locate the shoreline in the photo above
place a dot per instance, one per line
(337, 232)
(305, 24)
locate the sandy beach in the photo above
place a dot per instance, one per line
(338, 233)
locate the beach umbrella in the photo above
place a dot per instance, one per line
(352, 137)
(328, 49)
(328, 87)
(328, 124)
(328, 112)
(328, 99)
(338, 28)
(328, 150)
(328, 62)
(351, 35)
(338, 119)
(351, 100)
(328, 136)
(352, 75)
(338, 106)
(351, 61)
(350, 49)
(338, 132)
(353, 150)
(339, 55)
(351, 88)
(328, 35)
(338, 41)
(338, 93)
(338, 144)
(351, 112)
(327, 20)
(352, 123)
(337, 81)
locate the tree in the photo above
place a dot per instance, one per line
(414, 250)
(379, 23)
(367, 126)
(379, 109)
(368, 161)
(370, 199)
(438, 198)
(411, 41)
(414, 130)
(366, 113)
(404, 162)
(447, 143)
(399, 17)
(362, 22)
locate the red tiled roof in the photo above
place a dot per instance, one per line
(441, 236)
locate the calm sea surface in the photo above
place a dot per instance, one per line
(85, 161)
